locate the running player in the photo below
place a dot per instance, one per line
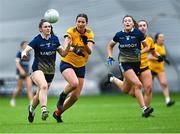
(158, 69)
(145, 76)
(129, 40)
(22, 70)
(73, 65)
(45, 46)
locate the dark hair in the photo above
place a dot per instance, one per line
(144, 21)
(42, 21)
(134, 21)
(156, 37)
(82, 15)
(52, 32)
(22, 43)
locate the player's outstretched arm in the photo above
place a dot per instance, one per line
(157, 55)
(25, 52)
(64, 51)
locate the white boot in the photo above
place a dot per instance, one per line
(13, 102)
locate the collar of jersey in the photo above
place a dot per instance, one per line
(44, 37)
(80, 32)
(130, 31)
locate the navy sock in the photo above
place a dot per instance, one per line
(61, 100)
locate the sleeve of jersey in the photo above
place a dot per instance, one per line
(141, 36)
(33, 43)
(68, 33)
(115, 38)
(58, 42)
(91, 37)
(18, 55)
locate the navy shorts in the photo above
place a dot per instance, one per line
(124, 66)
(49, 77)
(79, 71)
(144, 69)
(154, 73)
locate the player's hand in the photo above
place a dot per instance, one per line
(160, 58)
(78, 51)
(84, 39)
(167, 61)
(110, 60)
(138, 52)
(24, 55)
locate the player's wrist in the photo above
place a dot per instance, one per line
(110, 58)
(159, 58)
(84, 39)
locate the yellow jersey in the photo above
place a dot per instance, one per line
(154, 65)
(72, 58)
(144, 56)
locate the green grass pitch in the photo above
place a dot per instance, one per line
(93, 114)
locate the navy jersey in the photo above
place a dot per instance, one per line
(129, 45)
(45, 53)
(23, 62)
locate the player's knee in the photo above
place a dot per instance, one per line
(74, 84)
(44, 87)
(148, 89)
(131, 93)
(19, 89)
(138, 85)
(164, 84)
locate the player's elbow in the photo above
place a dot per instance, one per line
(89, 52)
(63, 53)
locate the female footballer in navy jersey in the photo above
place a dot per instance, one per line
(45, 46)
(129, 40)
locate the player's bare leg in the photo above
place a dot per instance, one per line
(39, 78)
(146, 79)
(163, 82)
(29, 88)
(74, 95)
(75, 86)
(33, 105)
(16, 92)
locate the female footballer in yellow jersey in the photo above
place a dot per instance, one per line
(158, 69)
(145, 75)
(73, 65)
